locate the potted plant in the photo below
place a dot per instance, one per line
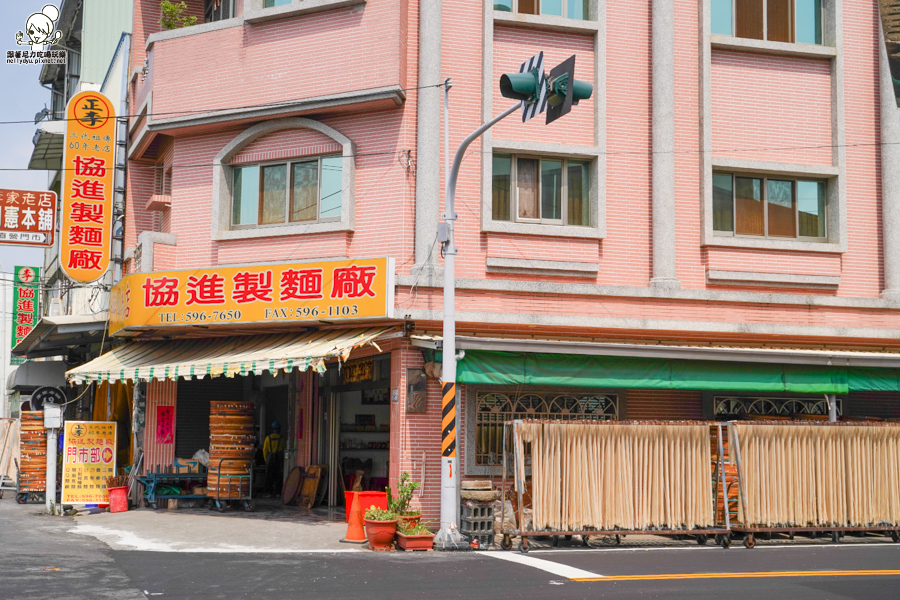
(415, 537)
(381, 525)
(400, 505)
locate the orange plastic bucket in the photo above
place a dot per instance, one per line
(118, 499)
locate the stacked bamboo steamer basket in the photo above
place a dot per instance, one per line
(33, 465)
(231, 437)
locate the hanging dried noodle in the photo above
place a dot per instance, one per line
(819, 475)
(618, 475)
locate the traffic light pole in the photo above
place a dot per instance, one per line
(449, 460)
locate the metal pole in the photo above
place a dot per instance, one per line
(832, 408)
(449, 460)
(722, 480)
(736, 444)
(50, 493)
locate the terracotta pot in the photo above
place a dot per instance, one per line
(415, 542)
(408, 521)
(380, 534)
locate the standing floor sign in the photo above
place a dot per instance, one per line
(89, 457)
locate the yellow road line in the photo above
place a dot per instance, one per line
(740, 575)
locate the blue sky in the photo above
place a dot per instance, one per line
(21, 96)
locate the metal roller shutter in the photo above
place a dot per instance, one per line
(192, 411)
(885, 405)
(665, 405)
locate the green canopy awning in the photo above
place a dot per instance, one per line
(568, 370)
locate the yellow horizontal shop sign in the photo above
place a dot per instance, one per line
(339, 290)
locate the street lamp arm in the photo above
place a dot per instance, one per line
(460, 153)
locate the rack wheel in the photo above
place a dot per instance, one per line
(835, 537)
(702, 539)
(154, 505)
(146, 503)
(21, 498)
(220, 506)
(618, 540)
(895, 536)
(248, 505)
(568, 538)
(724, 541)
(523, 548)
(585, 540)
(791, 535)
(749, 541)
(555, 541)
(506, 543)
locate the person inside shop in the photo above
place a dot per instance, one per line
(273, 454)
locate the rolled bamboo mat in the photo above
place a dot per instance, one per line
(626, 475)
(33, 451)
(817, 475)
(230, 437)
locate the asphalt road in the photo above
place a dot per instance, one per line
(475, 575)
(40, 559)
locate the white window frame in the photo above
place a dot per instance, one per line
(288, 191)
(564, 191)
(565, 6)
(765, 201)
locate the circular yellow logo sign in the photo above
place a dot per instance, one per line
(92, 111)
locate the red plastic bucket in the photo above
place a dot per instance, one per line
(366, 500)
(118, 499)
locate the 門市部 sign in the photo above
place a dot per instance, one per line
(341, 290)
(87, 187)
(89, 457)
(27, 217)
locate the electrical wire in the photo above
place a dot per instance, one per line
(206, 110)
(719, 151)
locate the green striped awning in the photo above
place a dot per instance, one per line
(224, 356)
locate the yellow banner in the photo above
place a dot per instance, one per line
(87, 187)
(89, 457)
(340, 290)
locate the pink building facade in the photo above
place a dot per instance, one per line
(725, 199)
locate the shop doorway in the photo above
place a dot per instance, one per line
(357, 422)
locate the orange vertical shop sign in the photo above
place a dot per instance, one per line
(87, 187)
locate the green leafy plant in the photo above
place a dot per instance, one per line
(405, 489)
(172, 15)
(373, 513)
(420, 528)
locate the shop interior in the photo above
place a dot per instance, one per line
(356, 414)
(350, 426)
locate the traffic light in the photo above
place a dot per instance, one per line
(565, 90)
(556, 94)
(521, 86)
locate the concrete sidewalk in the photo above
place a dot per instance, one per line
(200, 530)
